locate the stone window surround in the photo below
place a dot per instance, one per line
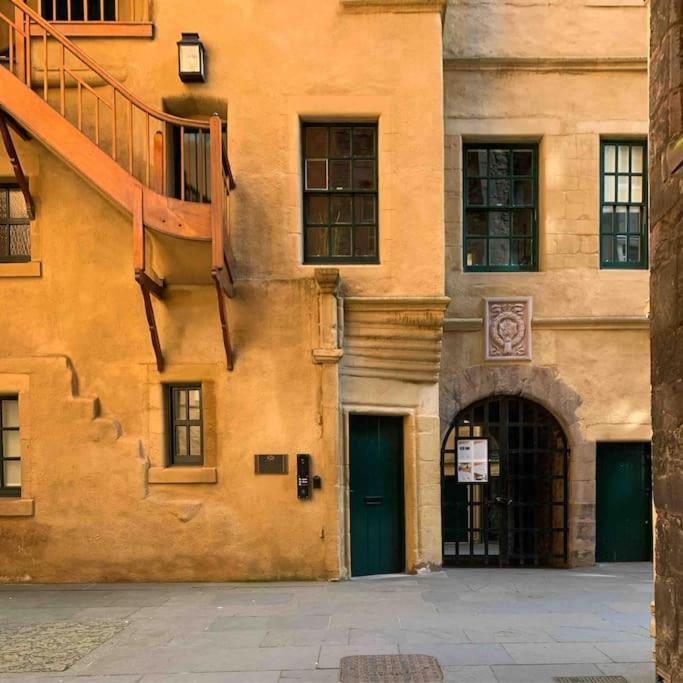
(23, 506)
(160, 471)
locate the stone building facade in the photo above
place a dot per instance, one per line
(547, 303)
(130, 460)
(666, 239)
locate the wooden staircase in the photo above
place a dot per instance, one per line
(52, 89)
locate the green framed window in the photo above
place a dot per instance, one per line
(15, 226)
(623, 204)
(340, 193)
(185, 442)
(10, 447)
(500, 214)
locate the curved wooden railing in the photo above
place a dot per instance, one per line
(137, 136)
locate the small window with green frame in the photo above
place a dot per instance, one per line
(184, 407)
(340, 199)
(500, 207)
(623, 204)
(10, 447)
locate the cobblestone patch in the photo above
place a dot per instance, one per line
(52, 646)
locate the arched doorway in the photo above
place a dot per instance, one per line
(504, 485)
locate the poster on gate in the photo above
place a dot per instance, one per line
(473, 461)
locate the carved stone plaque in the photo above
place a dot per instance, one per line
(507, 327)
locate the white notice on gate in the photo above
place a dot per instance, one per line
(473, 461)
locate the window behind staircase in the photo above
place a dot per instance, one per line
(15, 226)
(80, 10)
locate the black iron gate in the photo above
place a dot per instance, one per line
(513, 509)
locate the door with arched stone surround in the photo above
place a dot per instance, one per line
(509, 507)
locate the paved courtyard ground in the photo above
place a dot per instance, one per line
(484, 626)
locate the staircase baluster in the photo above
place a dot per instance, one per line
(182, 162)
(147, 149)
(80, 104)
(130, 137)
(62, 83)
(97, 121)
(45, 66)
(113, 124)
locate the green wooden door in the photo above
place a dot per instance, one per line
(376, 494)
(623, 502)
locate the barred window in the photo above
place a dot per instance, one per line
(15, 226)
(79, 10)
(623, 217)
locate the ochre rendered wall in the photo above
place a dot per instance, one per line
(78, 330)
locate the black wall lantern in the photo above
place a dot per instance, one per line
(191, 59)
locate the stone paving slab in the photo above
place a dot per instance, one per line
(484, 626)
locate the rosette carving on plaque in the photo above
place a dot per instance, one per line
(508, 328)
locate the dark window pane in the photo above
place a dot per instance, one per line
(499, 192)
(316, 174)
(476, 192)
(364, 242)
(316, 242)
(4, 240)
(476, 162)
(606, 252)
(621, 217)
(521, 253)
(522, 162)
(317, 209)
(77, 12)
(316, 143)
(607, 223)
(523, 222)
(342, 209)
(340, 142)
(364, 142)
(634, 222)
(523, 191)
(341, 241)
(340, 175)
(634, 249)
(363, 175)
(20, 240)
(499, 162)
(476, 252)
(499, 252)
(366, 211)
(499, 223)
(477, 222)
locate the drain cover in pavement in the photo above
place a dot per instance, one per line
(590, 679)
(390, 669)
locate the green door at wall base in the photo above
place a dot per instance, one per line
(623, 503)
(376, 494)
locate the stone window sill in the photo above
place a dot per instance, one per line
(100, 29)
(16, 507)
(30, 269)
(182, 475)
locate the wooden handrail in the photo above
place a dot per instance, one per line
(57, 35)
(112, 116)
